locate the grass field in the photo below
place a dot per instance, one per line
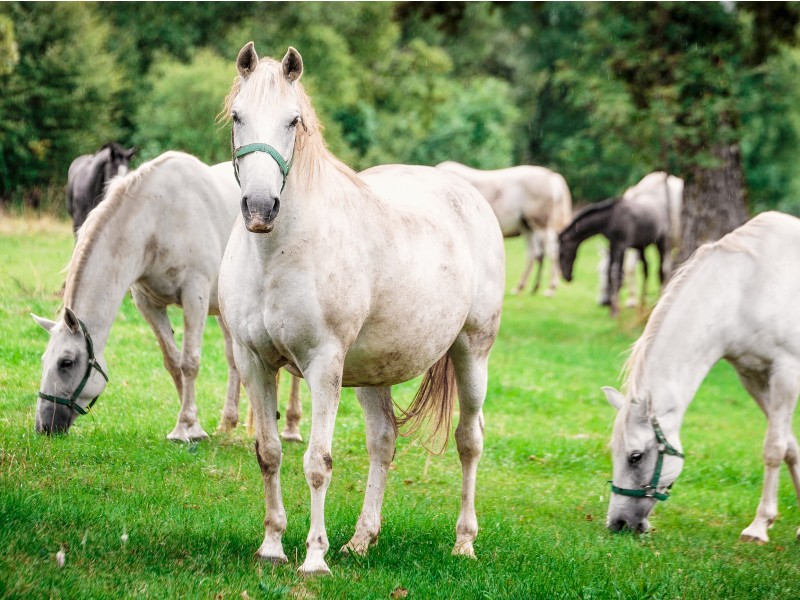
(193, 514)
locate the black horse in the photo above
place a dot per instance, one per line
(627, 223)
(88, 177)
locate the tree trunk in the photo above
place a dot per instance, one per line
(713, 200)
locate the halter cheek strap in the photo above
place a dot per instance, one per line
(259, 147)
(91, 364)
(651, 490)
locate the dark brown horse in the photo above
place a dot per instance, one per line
(88, 177)
(626, 224)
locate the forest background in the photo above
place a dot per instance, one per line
(603, 93)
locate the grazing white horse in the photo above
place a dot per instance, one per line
(352, 280)
(735, 299)
(665, 192)
(160, 231)
(531, 201)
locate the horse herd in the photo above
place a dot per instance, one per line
(370, 279)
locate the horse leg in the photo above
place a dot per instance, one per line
(552, 254)
(471, 371)
(602, 270)
(323, 376)
(294, 411)
(616, 256)
(645, 275)
(665, 252)
(532, 254)
(777, 400)
(630, 261)
(195, 312)
(230, 412)
(381, 436)
(156, 317)
(262, 391)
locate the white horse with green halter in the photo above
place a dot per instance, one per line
(534, 202)
(352, 280)
(735, 299)
(160, 231)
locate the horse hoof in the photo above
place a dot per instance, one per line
(275, 560)
(313, 569)
(752, 539)
(464, 549)
(227, 425)
(291, 436)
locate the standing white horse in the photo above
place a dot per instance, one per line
(665, 193)
(734, 299)
(160, 231)
(530, 201)
(352, 280)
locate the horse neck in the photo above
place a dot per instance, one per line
(318, 182)
(686, 341)
(104, 266)
(590, 223)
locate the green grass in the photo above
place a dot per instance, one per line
(194, 513)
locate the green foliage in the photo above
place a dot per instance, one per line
(601, 92)
(58, 102)
(9, 52)
(193, 514)
(180, 111)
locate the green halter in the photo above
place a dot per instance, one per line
(250, 148)
(651, 490)
(91, 363)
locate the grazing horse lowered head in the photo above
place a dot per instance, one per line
(735, 299)
(88, 178)
(359, 280)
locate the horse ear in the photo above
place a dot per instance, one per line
(71, 320)
(292, 64)
(45, 324)
(247, 61)
(614, 398)
(130, 152)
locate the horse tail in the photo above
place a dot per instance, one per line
(432, 407)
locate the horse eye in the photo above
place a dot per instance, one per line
(65, 363)
(235, 117)
(635, 457)
(294, 122)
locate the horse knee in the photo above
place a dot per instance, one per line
(382, 442)
(775, 453)
(269, 457)
(318, 468)
(190, 366)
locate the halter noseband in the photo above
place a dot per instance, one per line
(91, 363)
(260, 147)
(651, 490)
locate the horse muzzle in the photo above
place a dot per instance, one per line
(260, 214)
(52, 419)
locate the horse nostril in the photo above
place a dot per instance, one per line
(617, 525)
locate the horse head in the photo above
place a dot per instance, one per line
(266, 108)
(567, 250)
(69, 384)
(645, 464)
(118, 160)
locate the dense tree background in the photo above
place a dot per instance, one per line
(601, 92)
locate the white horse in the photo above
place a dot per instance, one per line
(160, 231)
(666, 193)
(531, 201)
(734, 299)
(352, 280)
